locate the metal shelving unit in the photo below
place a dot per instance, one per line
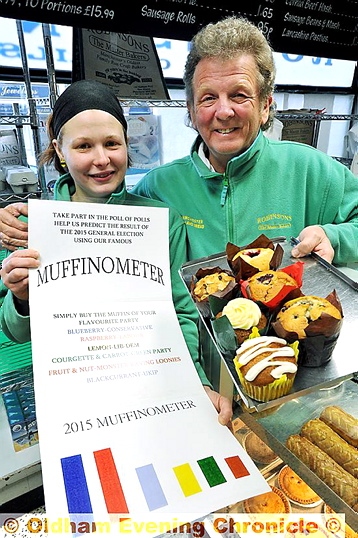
(31, 120)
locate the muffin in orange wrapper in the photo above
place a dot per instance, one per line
(259, 255)
(272, 288)
(316, 322)
(266, 367)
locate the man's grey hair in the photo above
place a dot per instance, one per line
(229, 38)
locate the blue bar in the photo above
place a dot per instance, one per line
(78, 499)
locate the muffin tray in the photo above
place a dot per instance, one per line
(319, 278)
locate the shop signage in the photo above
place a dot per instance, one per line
(295, 69)
(327, 28)
(128, 64)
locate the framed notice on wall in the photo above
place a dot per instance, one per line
(129, 64)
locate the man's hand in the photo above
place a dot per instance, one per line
(221, 404)
(15, 271)
(13, 232)
(313, 239)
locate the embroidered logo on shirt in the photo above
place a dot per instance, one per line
(196, 223)
(274, 221)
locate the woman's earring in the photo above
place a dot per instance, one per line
(63, 163)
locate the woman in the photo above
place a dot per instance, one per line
(88, 138)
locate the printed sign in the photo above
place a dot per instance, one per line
(125, 425)
(324, 28)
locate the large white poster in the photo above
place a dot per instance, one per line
(125, 425)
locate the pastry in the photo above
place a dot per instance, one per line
(266, 367)
(243, 315)
(334, 476)
(257, 257)
(296, 489)
(211, 283)
(342, 423)
(296, 315)
(273, 502)
(328, 440)
(266, 285)
(258, 450)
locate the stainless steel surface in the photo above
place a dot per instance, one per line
(352, 283)
(318, 279)
(277, 425)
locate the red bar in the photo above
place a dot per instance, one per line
(110, 482)
(236, 466)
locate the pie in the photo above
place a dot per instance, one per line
(258, 450)
(273, 502)
(296, 489)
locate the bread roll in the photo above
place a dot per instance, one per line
(330, 442)
(342, 423)
(332, 474)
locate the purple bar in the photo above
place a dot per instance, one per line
(151, 487)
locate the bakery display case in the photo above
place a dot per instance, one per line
(291, 493)
(287, 419)
(333, 384)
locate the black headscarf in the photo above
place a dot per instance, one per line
(86, 95)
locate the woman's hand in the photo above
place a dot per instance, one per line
(15, 271)
(221, 404)
(13, 232)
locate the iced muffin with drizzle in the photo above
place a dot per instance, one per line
(266, 367)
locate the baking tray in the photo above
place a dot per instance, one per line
(319, 278)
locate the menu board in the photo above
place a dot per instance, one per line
(325, 28)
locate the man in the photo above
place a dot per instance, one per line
(237, 184)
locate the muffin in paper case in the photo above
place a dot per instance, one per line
(257, 257)
(212, 281)
(318, 338)
(264, 385)
(240, 314)
(272, 288)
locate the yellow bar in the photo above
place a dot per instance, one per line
(187, 479)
